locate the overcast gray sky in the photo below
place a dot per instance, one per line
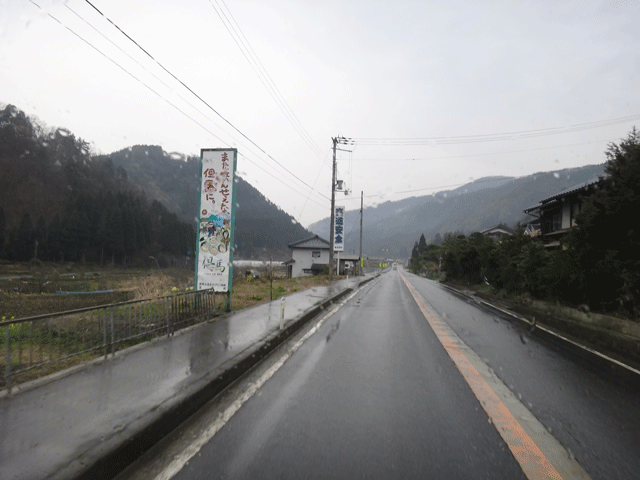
(360, 69)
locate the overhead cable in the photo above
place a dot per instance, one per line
(167, 101)
(252, 58)
(201, 99)
(475, 154)
(492, 137)
(314, 184)
(284, 183)
(424, 189)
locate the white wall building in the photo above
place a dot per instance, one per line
(308, 257)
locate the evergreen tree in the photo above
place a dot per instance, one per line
(76, 235)
(102, 234)
(23, 243)
(40, 238)
(605, 247)
(414, 261)
(116, 235)
(422, 244)
(129, 230)
(54, 240)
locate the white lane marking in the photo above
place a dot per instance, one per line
(539, 453)
(188, 453)
(551, 332)
(573, 342)
(595, 352)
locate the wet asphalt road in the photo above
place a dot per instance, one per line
(590, 405)
(373, 394)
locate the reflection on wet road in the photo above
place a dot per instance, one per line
(375, 394)
(92, 405)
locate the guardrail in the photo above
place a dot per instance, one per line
(43, 344)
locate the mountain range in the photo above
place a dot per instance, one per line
(390, 229)
(58, 163)
(262, 229)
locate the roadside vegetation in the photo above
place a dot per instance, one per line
(249, 291)
(597, 266)
(29, 289)
(40, 348)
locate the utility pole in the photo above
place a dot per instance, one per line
(336, 141)
(333, 206)
(361, 210)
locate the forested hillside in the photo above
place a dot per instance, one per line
(59, 204)
(262, 229)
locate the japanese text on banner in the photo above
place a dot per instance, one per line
(215, 229)
(338, 230)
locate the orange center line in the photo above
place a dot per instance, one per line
(533, 462)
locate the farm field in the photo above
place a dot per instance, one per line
(30, 289)
(164, 301)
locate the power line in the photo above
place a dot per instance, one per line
(117, 46)
(314, 184)
(141, 65)
(351, 232)
(161, 97)
(201, 99)
(179, 96)
(492, 137)
(126, 71)
(252, 58)
(476, 154)
(421, 189)
(284, 183)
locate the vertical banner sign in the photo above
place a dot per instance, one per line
(338, 235)
(216, 219)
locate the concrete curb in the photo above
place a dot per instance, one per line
(483, 302)
(125, 446)
(552, 332)
(38, 382)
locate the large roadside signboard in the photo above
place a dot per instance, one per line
(338, 235)
(216, 219)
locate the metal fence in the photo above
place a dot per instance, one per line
(40, 345)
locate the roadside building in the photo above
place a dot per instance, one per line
(308, 257)
(498, 232)
(556, 214)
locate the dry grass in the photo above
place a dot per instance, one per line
(25, 296)
(29, 348)
(249, 292)
(156, 283)
(19, 297)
